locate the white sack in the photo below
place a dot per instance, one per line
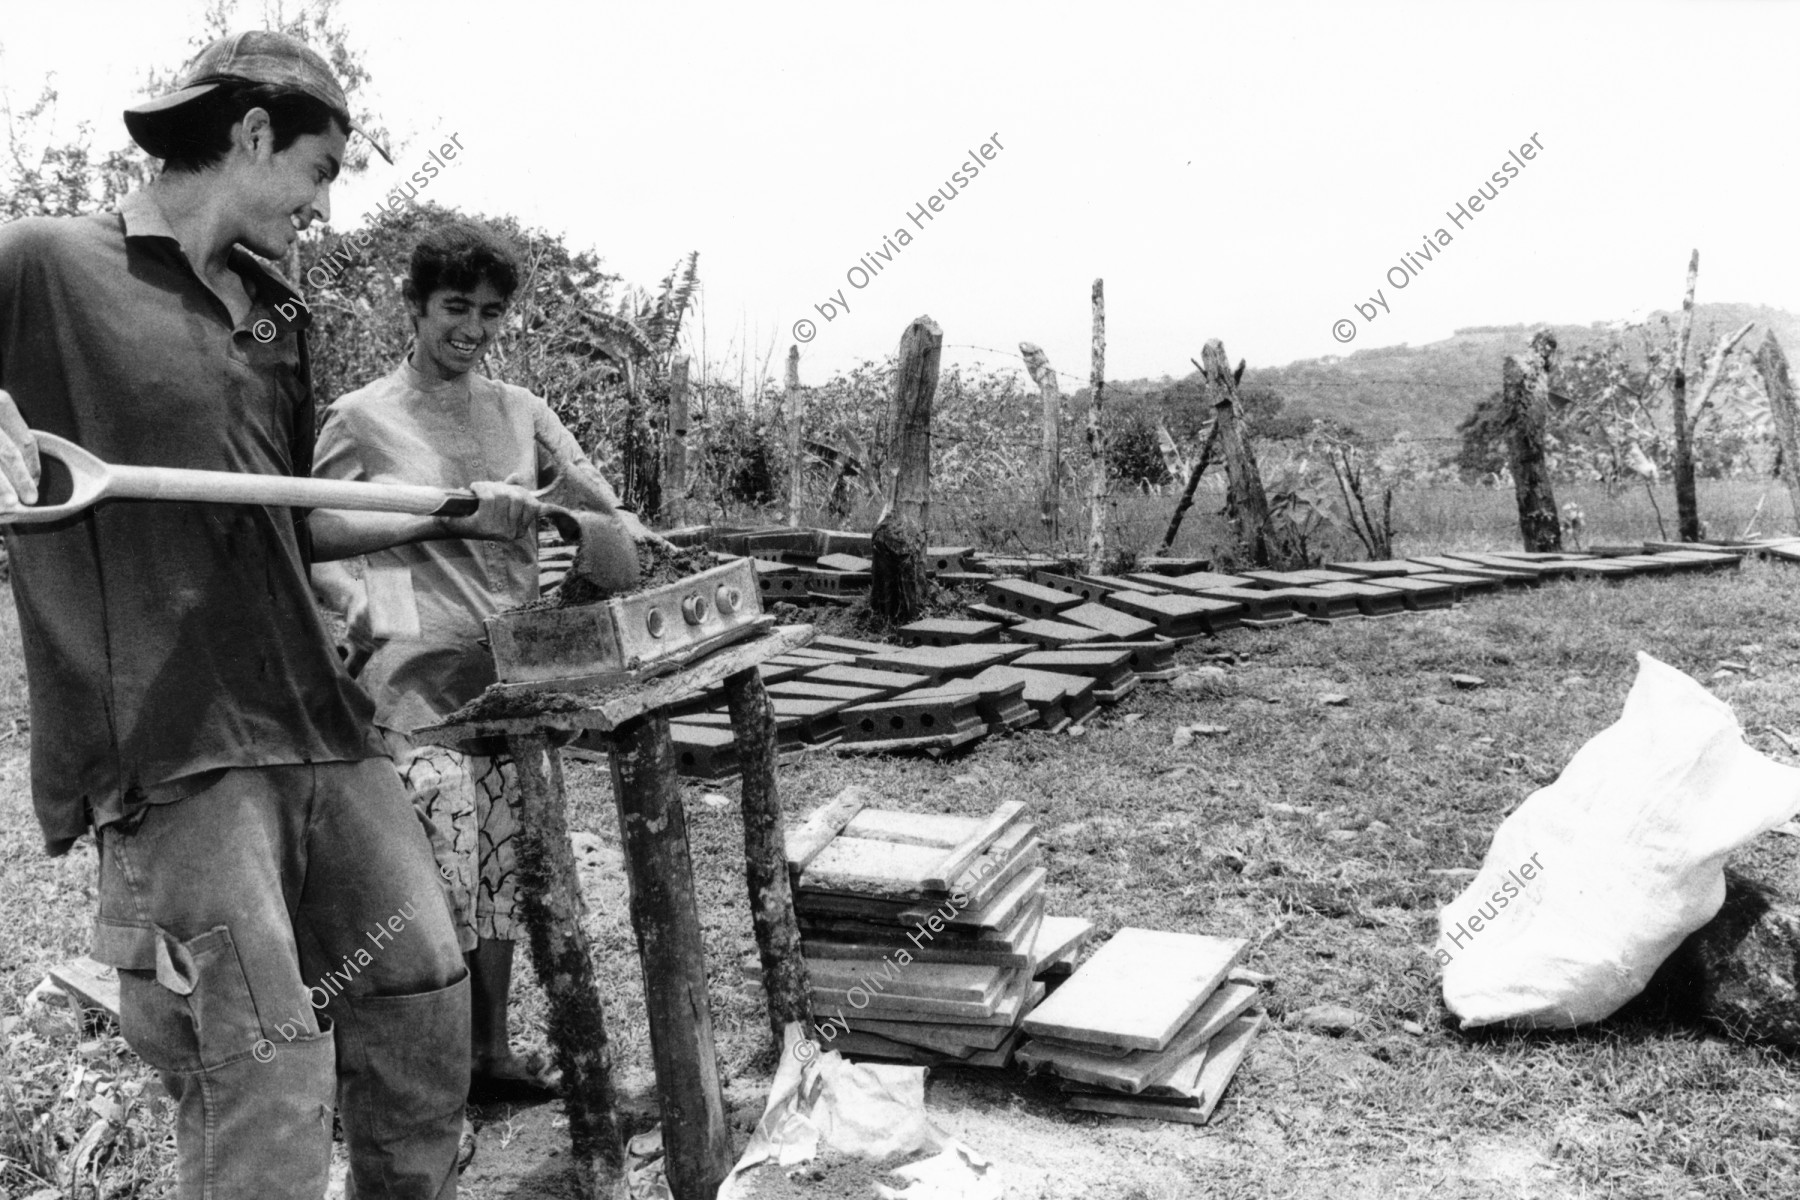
(868, 1110)
(1629, 847)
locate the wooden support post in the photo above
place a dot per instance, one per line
(1186, 502)
(675, 445)
(1687, 503)
(559, 951)
(794, 415)
(1050, 395)
(666, 919)
(897, 579)
(765, 856)
(1248, 504)
(1526, 404)
(1771, 363)
(1096, 547)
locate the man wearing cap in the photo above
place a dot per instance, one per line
(266, 893)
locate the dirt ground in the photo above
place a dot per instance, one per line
(1320, 833)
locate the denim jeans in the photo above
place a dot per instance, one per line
(282, 942)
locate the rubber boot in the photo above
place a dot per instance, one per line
(403, 1074)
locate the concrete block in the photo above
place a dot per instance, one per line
(987, 612)
(939, 631)
(939, 559)
(1029, 599)
(888, 682)
(1124, 583)
(1179, 616)
(1381, 569)
(704, 752)
(1109, 669)
(937, 662)
(1110, 622)
(1049, 634)
(1075, 693)
(855, 647)
(1152, 659)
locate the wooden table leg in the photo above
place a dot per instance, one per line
(559, 951)
(666, 919)
(765, 856)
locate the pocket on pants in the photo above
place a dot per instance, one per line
(194, 1010)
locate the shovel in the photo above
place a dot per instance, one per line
(606, 556)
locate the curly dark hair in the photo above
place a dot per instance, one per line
(461, 256)
(203, 136)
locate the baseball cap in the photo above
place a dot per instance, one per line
(256, 56)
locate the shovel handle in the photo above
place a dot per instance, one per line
(227, 487)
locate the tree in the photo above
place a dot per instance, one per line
(46, 174)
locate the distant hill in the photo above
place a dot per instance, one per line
(1425, 390)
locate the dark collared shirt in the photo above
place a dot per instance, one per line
(164, 642)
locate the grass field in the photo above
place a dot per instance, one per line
(1310, 830)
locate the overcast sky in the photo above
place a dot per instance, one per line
(1248, 171)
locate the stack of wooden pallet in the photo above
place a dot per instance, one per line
(925, 935)
(1151, 1025)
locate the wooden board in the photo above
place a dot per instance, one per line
(896, 854)
(1060, 936)
(816, 832)
(1223, 1058)
(1137, 1070)
(999, 914)
(1016, 851)
(571, 705)
(1138, 990)
(93, 983)
(938, 1035)
(873, 868)
(820, 948)
(943, 830)
(1000, 1006)
(898, 980)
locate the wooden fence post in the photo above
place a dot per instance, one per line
(675, 447)
(1687, 504)
(1772, 365)
(1096, 547)
(1526, 407)
(1209, 438)
(1248, 503)
(1050, 503)
(794, 414)
(897, 582)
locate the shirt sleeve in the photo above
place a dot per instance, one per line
(337, 453)
(579, 482)
(556, 446)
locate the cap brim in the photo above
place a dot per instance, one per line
(147, 122)
(144, 121)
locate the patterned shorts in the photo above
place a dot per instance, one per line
(471, 809)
